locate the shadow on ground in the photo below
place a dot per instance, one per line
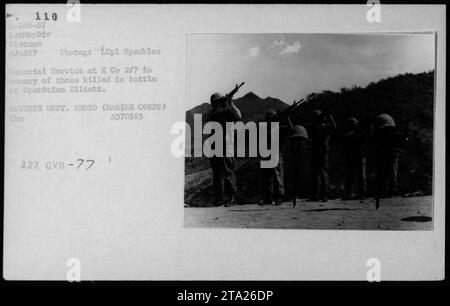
(418, 219)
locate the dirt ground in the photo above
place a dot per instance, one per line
(394, 214)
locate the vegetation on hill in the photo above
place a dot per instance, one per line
(406, 97)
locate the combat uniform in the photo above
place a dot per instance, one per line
(355, 160)
(224, 178)
(387, 157)
(320, 149)
(355, 163)
(273, 178)
(295, 155)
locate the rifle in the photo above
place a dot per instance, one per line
(289, 111)
(234, 91)
(228, 98)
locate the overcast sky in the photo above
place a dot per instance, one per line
(290, 66)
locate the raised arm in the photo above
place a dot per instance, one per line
(232, 107)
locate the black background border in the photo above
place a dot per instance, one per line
(299, 292)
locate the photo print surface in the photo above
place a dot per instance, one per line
(310, 131)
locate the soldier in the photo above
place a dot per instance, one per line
(355, 160)
(224, 110)
(322, 126)
(273, 178)
(298, 141)
(388, 142)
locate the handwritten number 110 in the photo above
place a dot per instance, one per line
(44, 16)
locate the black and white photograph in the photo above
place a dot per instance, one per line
(269, 144)
(354, 116)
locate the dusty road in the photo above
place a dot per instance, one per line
(394, 214)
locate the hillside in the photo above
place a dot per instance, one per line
(251, 106)
(404, 97)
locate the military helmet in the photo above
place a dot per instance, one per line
(299, 131)
(271, 114)
(352, 123)
(216, 97)
(383, 120)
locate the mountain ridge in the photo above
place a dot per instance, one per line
(252, 107)
(406, 97)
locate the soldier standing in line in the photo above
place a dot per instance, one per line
(355, 160)
(224, 110)
(296, 151)
(321, 129)
(273, 178)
